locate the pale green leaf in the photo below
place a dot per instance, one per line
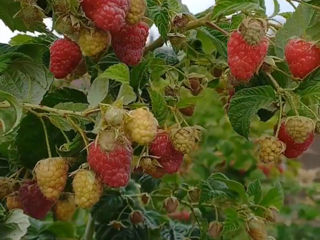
(118, 72)
(98, 91)
(126, 94)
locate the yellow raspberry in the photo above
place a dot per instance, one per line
(87, 188)
(65, 207)
(136, 11)
(270, 149)
(93, 42)
(184, 139)
(299, 128)
(141, 126)
(51, 175)
(6, 186)
(13, 201)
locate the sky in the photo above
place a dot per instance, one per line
(194, 6)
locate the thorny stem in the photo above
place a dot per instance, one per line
(46, 137)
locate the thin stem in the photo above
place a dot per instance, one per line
(280, 115)
(275, 83)
(291, 3)
(46, 137)
(83, 135)
(64, 135)
(290, 100)
(88, 235)
(216, 27)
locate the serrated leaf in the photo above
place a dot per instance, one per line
(98, 91)
(274, 197)
(10, 114)
(118, 72)
(154, 220)
(207, 43)
(7, 11)
(246, 103)
(254, 189)
(161, 17)
(64, 95)
(295, 26)
(126, 94)
(175, 231)
(19, 223)
(159, 105)
(232, 221)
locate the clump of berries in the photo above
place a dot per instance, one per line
(270, 149)
(303, 57)
(87, 188)
(93, 42)
(247, 48)
(51, 175)
(298, 134)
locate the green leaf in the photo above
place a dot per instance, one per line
(228, 7)
(175, 231)
(26, 80)
(138, 75)
(159, 105)
(126, 94)
(118, 72)
(98, 91)
(7, 11)
(254, 189)
(62, 229)
(295, 26)
(154, 220)
(10, 114)
(232, 221)
(276, 9)
(246, 103)
(18, 222)
(161, 17)
(274, 197)
(64, 95)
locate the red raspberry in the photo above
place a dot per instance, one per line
(298, 134)
(169, 158)
(244, 59)
(65, 55)
(113, 167)
(183, 215)
(33, 201)
(128, 44)
(303, 57)
(109, 15)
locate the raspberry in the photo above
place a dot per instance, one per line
(93, 42)
(272, 214)
(253, 30)
(298, 134)
(128, 44)
(13, 201)
(168, 157)
(257, 229)
(303, 57)
(184, 139)
(34, 203)
(215, 228)
(87, 188)
(171, 204)
(51, 175)
(7, 186)
(114, 116)
(270, 149)
(65, 55)
(65, 207)
(113, 167)
(109, 15)
(141, 126)
(136, 11)
(244, 59)
(152, 167)
(136, 217)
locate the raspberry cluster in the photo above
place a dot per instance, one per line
(270, 149)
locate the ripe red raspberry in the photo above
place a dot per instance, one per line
(244, 59)
(298, 134)
(109, 15)
(128, 44)
(113, 167)
(183, 215)
(51, 175)
(34, 203)
(65, 55)
(303, 57)
(169, 158)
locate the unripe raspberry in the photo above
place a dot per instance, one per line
(256, 228)
(184, 139)
(152, 167)
(270, 149)
(114, 116)
(215, 228)
(93, 42)
(136, 217)
(51, 175)
(13, 201)
(141, 126)
(136, 11)
(272, 214)
(299, 128)
(194, 194)
(187, 111)
(253, 30)
(87, 188)
(171, 204)
(7, 186)
(145, 198)
(65, 207)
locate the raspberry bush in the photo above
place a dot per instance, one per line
(109, 133)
